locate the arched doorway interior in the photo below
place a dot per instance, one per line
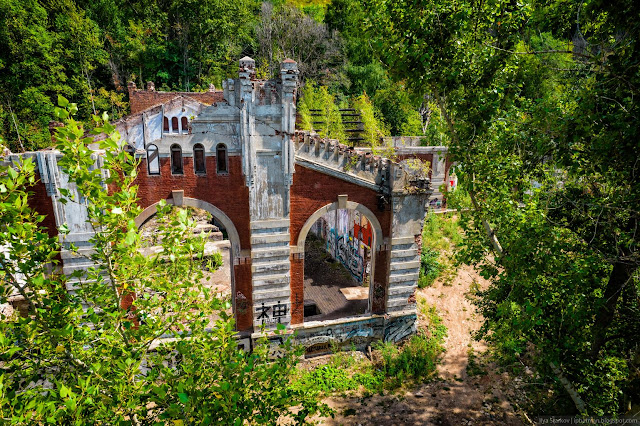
(224, 224)
(339, 242)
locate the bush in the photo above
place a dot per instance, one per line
(134, 342)
(430, 268)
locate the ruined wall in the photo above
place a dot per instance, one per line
(349, 333)
(140, 100)
(225, 191)
(277, 179)
(312, 190)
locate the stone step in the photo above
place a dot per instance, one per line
(410, 308)
(76, 237)
(69, 269)
(270, 280)
(270, 252)
(404, 253)
(260, 296)
(270, 238)
(396, 266)
(401, 290)
(269, 223)
(400, 278)
(82, 253)
(269, 268)
(400, 241)
(397, 302)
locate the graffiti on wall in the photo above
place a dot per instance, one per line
(357, 334)
(347, 251)
(397, 330)
(272, 314)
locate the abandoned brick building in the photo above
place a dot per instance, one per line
(236, 154)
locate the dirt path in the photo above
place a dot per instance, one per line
(456, 398)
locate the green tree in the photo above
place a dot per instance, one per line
(540, 115)
(374, 128)
(327, 120)
(131, 343)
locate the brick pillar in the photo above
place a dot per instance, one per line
(380, 282)
(297, 289)
(243, 299)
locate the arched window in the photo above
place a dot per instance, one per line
(153, 162)
(185, 124)
(176, 159)
(221, 159)
(174, 125)
(165, 125)
(198, 158)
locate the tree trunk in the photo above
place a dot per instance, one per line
(619, 277)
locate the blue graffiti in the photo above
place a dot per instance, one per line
(346, 250)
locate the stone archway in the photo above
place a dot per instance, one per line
(234, 238)
(299, 249)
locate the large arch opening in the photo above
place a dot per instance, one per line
(339, 242)
(221, 237)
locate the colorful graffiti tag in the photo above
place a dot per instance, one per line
(347, 251)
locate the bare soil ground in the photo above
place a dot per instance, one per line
(455, 397)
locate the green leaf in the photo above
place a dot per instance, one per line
(62, 101)
(12, 173)
(184, 398)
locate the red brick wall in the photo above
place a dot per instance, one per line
(140, 100)
(297, 291)
(380, 282)
(41, 203)
(312, 190)
(243, 297)
(226, 192)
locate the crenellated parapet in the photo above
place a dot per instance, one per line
(360, 165)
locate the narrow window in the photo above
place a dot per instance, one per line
(165, 127)
(185, 125)
(221, 159)
(153, 162)
(174, 125)
(176, 159)
(198, 158)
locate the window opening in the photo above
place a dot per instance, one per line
(153, 162)
(176, 160)
(185, 125)
(174, 125)
(165, 125)
(198, 158)
(221, 159)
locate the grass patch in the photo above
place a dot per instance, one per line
(440, 237)
(473, 366)
(414, 361)
(393, 365)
